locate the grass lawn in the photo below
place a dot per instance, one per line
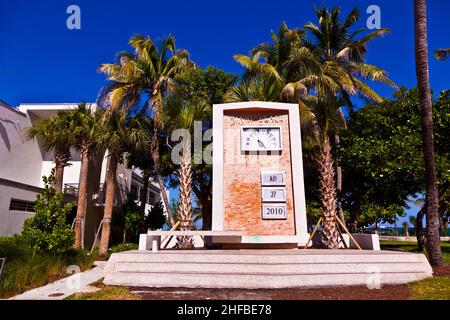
(106, 293)
(436, 288)
(412, 246)
(24, 270)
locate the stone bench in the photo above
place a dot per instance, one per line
(152, 239)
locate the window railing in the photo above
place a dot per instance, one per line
(98, 197)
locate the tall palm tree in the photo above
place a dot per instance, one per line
(324, 124)
(53, 134)
(262, 88)
(84, 125)
(432, 197)
(138, 156)
(330, 64)
(118, 134)
(149, 72)
(181, 115)
(333, 42)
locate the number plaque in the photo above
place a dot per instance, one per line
(273, 194)
(274, 211)
(273, 178)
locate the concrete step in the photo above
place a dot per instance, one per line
(244, 281)
(264, 268)
(276, 268)
(298, 256)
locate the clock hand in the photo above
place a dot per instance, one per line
(261, 144)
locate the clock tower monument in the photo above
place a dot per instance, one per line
(258, 184)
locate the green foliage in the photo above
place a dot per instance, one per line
(132, 215)
(209, 85)
(372, 213)
(24, 269)
(381, 155)
(198, 89)
(85, 126)
(54, 133)
(48, 230)
(124, 247)
(129, 218)
(156, 217)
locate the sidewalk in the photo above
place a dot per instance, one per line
(63, 288)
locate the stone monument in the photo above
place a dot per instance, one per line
(258, 184)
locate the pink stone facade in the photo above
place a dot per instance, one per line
(242, 174)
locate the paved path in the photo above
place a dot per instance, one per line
(63, 288)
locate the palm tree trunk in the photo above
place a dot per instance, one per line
(418, 230)
(155, 157)
(82, 198)
(61, 159)
(432, 198)
(59, 174)
(185, 202)
(109, 204)
(330, 235)
(340, 211)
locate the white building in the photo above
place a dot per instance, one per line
(23, 163)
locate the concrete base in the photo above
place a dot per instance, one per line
(252, 269)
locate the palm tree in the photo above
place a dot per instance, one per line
(330, 65)
(405, 227)
(335, 44)
(432, 197)
(149, 71)
(412, 221)
(53, 134)
(339, 48)
(442, 54)
(141, 158)
(263, 88)
(181, 115)
(84, 126)
(118, 134)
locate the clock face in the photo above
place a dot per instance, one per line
(261, 138)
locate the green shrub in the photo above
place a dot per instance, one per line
(129, 218)
(124, 247)
(48, 230)
(156, 217)
(25, 269)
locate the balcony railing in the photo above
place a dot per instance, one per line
(98, 198)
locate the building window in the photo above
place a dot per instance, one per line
(134, 192)
(21, 205)
(151, 198)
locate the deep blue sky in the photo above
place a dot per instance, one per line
(42, 61)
